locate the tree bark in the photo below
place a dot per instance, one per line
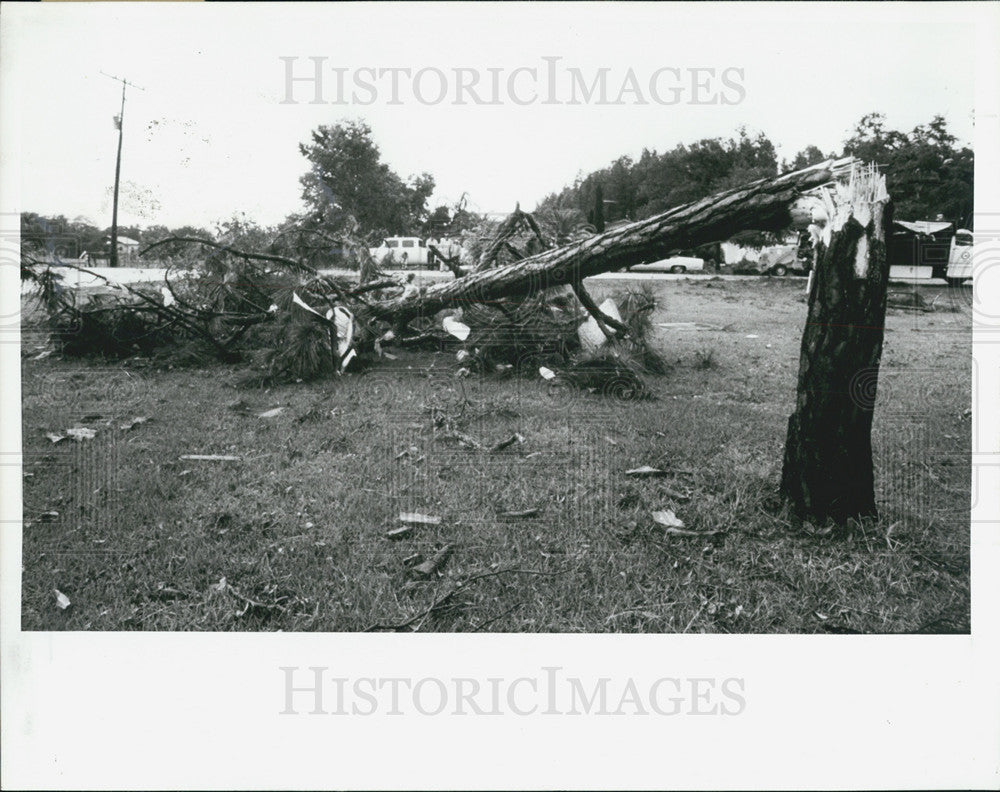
(828, 472)
(764, 205)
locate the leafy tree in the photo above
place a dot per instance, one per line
(810, 155)
(57, 236)
(927, 174)
(656, 182)
(347, 178)
(438, 221)
(170, 250)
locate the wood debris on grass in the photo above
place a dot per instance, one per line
(521, 514)
(646, 471)
(416, 518)
(211, 457)
(435, 563)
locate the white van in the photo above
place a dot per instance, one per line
(404, 252)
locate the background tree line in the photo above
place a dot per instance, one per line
(351, 194)
(928, 174)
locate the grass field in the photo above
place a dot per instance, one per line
(292, 536)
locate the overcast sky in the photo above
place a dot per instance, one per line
(209, 136)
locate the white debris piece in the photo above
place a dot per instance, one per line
(591, 335)
(344, 320)
(302, 304)
(415, 518)
(668, 518)
(456, 328)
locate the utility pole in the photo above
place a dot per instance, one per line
(118, 169)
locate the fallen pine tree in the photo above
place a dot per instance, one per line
(764, 205)
(313, 325)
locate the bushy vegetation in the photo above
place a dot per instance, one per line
(927, 172)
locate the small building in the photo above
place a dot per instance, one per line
(128, 250)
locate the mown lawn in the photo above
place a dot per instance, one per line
(292, 536)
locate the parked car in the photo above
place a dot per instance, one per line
(674, 264)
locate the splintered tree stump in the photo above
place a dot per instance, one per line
(828, 471)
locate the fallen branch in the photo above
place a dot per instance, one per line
(766, 205)
(602, 319)
(292, 263)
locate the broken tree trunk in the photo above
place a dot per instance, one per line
(828, 469)
(764, 205)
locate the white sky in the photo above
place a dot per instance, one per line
(208, 137)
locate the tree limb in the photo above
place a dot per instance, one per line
(764, 205)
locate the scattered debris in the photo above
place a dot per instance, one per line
(522, 514)
(81, 433)
(131, 424)
(55, 438)
(674, 526)
(415, 518)
(683, 532)
(273, 413)
(399, 533)
(454, 327)
(668, 518)
(592, 336)
(48, 516)
(413, 560)
(517, 437)
(435, 562)
(211, 457)
(751, 335)
(646, 472)
(62, 601)
(680, 496)
(221, 585)
(546, 373)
